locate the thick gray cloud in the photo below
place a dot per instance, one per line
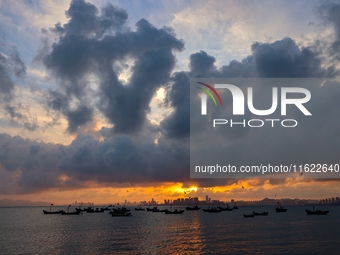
(7, 84)
(201, 64)
(281, 59)
(284, 59)
(12, 69)
(78, 117)
(99, 42)
(20, 117)
(177, 125)
(112, 160)
(329, 13)
(10, 65)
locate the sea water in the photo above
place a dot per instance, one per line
(26, 230)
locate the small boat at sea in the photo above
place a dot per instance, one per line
(80, 209)
(260, 214)
(192, 208)
(174, 211)
(212, 210)
(139, 208)
(97, 210)
(70, 213)
(248, 215)
(89, 208)
(225, 208)
(120, 210)
(235, 207)
(316, 212)
(155, 209)
(55, 212)
(52, 212)
(126, 214)
(280, 208)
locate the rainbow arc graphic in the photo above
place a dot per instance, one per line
(209, 90)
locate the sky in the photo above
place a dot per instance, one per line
(95, 94)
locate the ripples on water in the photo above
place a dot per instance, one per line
(29, 231)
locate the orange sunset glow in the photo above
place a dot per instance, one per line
(252, 190)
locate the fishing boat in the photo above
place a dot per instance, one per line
(225, 208)
(139, 208)
(89, 208)
(235, 207)
(248, 215)
(52, 212)
(70, 213)
(316, 212)
(126, 214)
(192, 208)
(80, 208)
(174, 211)
(155, 209)
(97, 210)
(260, 214)
(280, 208)
(120, 210)
(55, 212)
(212, 210)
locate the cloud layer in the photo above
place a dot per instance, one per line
(92, 52)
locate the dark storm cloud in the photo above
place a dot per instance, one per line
(34, 149)
(7, 84)
(11, 69)
(201, 64)
(284, 59)
(177, 125)
(112, 160)
(10, 65)
(329, 13)
(119, 160)
(281, 59)
(98, 42)
(78, 117)
(20, 116)
(127, 106)
(57, 101)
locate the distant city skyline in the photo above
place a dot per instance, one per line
(191, 201)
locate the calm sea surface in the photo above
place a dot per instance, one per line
(29, 231)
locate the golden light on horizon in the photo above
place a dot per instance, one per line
(193, 188)
(241, 190)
